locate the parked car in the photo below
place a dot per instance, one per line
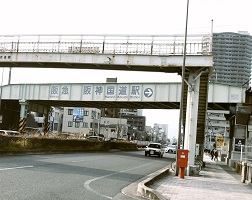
(171, 149)
(97, 138)
(9, 132)
(154, 149)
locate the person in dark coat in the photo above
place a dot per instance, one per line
(212, 154)
(216, 154)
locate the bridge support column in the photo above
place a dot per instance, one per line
(191, 120)
(23, 115)
(46, 121)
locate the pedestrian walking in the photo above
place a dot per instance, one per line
(215, 154)
(212, 154)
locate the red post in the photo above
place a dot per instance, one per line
(182, 161)
(182, 172)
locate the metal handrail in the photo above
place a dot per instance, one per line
(106, 44)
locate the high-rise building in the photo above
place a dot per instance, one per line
(232, 56)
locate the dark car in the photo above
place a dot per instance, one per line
(95, 138)
(154, 149)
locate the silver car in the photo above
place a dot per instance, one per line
(171, 149)
(154, 149)
(9, 132)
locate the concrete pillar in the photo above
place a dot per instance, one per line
(192, 118)
(46, 121)
(249, 172)
(23, 115)
(243, 172)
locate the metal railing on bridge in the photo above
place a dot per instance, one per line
(107, 44)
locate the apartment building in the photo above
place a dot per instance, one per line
(232, 56)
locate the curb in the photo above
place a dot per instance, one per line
(145, 191)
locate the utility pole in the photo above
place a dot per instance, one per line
(1, 90)
(182, 92)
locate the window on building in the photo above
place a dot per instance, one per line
(56, 116)
(70, 111)
(85, 125)
(86, 112)
(70, 124)
(77, 124)
(93, 116)
(55, 127)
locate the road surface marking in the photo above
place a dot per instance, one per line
(9, 168)
(86, 184)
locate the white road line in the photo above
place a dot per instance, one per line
(86, 184)
(9, 168)
(77, 161)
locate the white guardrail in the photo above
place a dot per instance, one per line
(107, 44)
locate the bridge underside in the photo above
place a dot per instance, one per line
(116, 104)
(96, 66)
(11, 109)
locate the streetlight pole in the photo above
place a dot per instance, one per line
(182, 92)
(1, 90)
(9, 81)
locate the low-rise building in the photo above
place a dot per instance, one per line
(82, 121)
(113, 128)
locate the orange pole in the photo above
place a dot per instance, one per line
(182, 172)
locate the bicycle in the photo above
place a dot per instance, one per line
(199, 163)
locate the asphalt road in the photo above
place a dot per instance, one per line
(84, 176)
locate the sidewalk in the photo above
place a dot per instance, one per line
(216, 181)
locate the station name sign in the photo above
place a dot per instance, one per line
(103, 92)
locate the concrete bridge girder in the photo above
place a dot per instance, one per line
(32, 95)
(168, 63)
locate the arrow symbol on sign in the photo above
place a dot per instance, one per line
(148, 92)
